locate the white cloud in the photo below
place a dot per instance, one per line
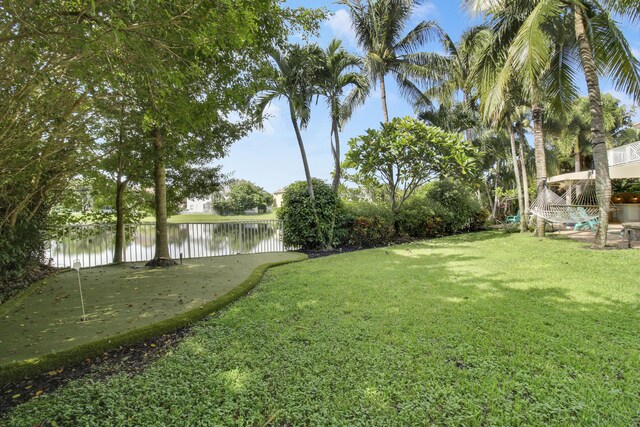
(342, 27)
(273, 114)
(424, 11)
(635, 52)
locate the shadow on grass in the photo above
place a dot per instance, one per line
(474, 334)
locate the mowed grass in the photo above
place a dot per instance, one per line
(208, 218)
(481, 329)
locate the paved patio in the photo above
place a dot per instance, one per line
(614, 239)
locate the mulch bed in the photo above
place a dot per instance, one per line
(131, 359)
(344, 249)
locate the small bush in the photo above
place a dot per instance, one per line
(21, 256)
(440, 208)
(300, 228)
(368, 224)
(421, 217)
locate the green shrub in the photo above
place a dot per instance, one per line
(300, 228)
(440, 208)
(21, 256)
(421, 217)
(368, 224)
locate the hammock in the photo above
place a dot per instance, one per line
(577, 204)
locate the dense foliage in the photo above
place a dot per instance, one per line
(405, 154)
(441, 208)
(138, 92)
(368, 224)
(300, 229)
(243, 196)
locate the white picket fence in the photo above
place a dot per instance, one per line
(94, 244)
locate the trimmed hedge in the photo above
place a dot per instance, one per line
(300, 229)
(368, 224)
(18, 370)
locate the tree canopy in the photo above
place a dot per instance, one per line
(405, 154)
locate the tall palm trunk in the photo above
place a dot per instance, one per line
(307, 172)
(599, 148)
(541, 160)
(516, 172)
(468, 133)
(162, 258)
(383, 97)
(576, 155)
(525, 175)
(335, 150)
(496, 200)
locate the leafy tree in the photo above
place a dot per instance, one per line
(339, 71)
(405, 154)
(456, 74)
(245, 195)
(379, 26)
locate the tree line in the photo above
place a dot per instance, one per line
(516, 72)
(146, 95)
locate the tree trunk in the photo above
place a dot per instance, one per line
(118, 250)
(496, 201)
(516, 172)
(468, 133)
(576, 155)
(307, 172)
(383, 97)
(492, 205)
(525, 175)
(541, 160)
(599, 148)
(335, 150)
(162, 258)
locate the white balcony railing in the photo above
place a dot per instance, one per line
(629, 153)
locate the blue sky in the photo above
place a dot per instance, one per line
(271, 157)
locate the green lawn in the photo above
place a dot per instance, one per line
(482, 329)
(205, 218)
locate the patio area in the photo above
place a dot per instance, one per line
(615, 237)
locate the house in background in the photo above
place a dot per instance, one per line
(277, 197)
(193, 206)
(198, 206)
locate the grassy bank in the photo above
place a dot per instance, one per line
(479, 329)
(207, 218)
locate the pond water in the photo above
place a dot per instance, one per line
(93, 245)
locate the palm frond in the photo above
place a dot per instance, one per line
(613, 54)
(422, 34)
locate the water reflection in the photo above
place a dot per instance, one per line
(93, 244)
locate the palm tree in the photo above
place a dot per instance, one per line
(379, 25)
(545, 41)
(510, 117)
(338, 73)
(293, 76)
(456, 73)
